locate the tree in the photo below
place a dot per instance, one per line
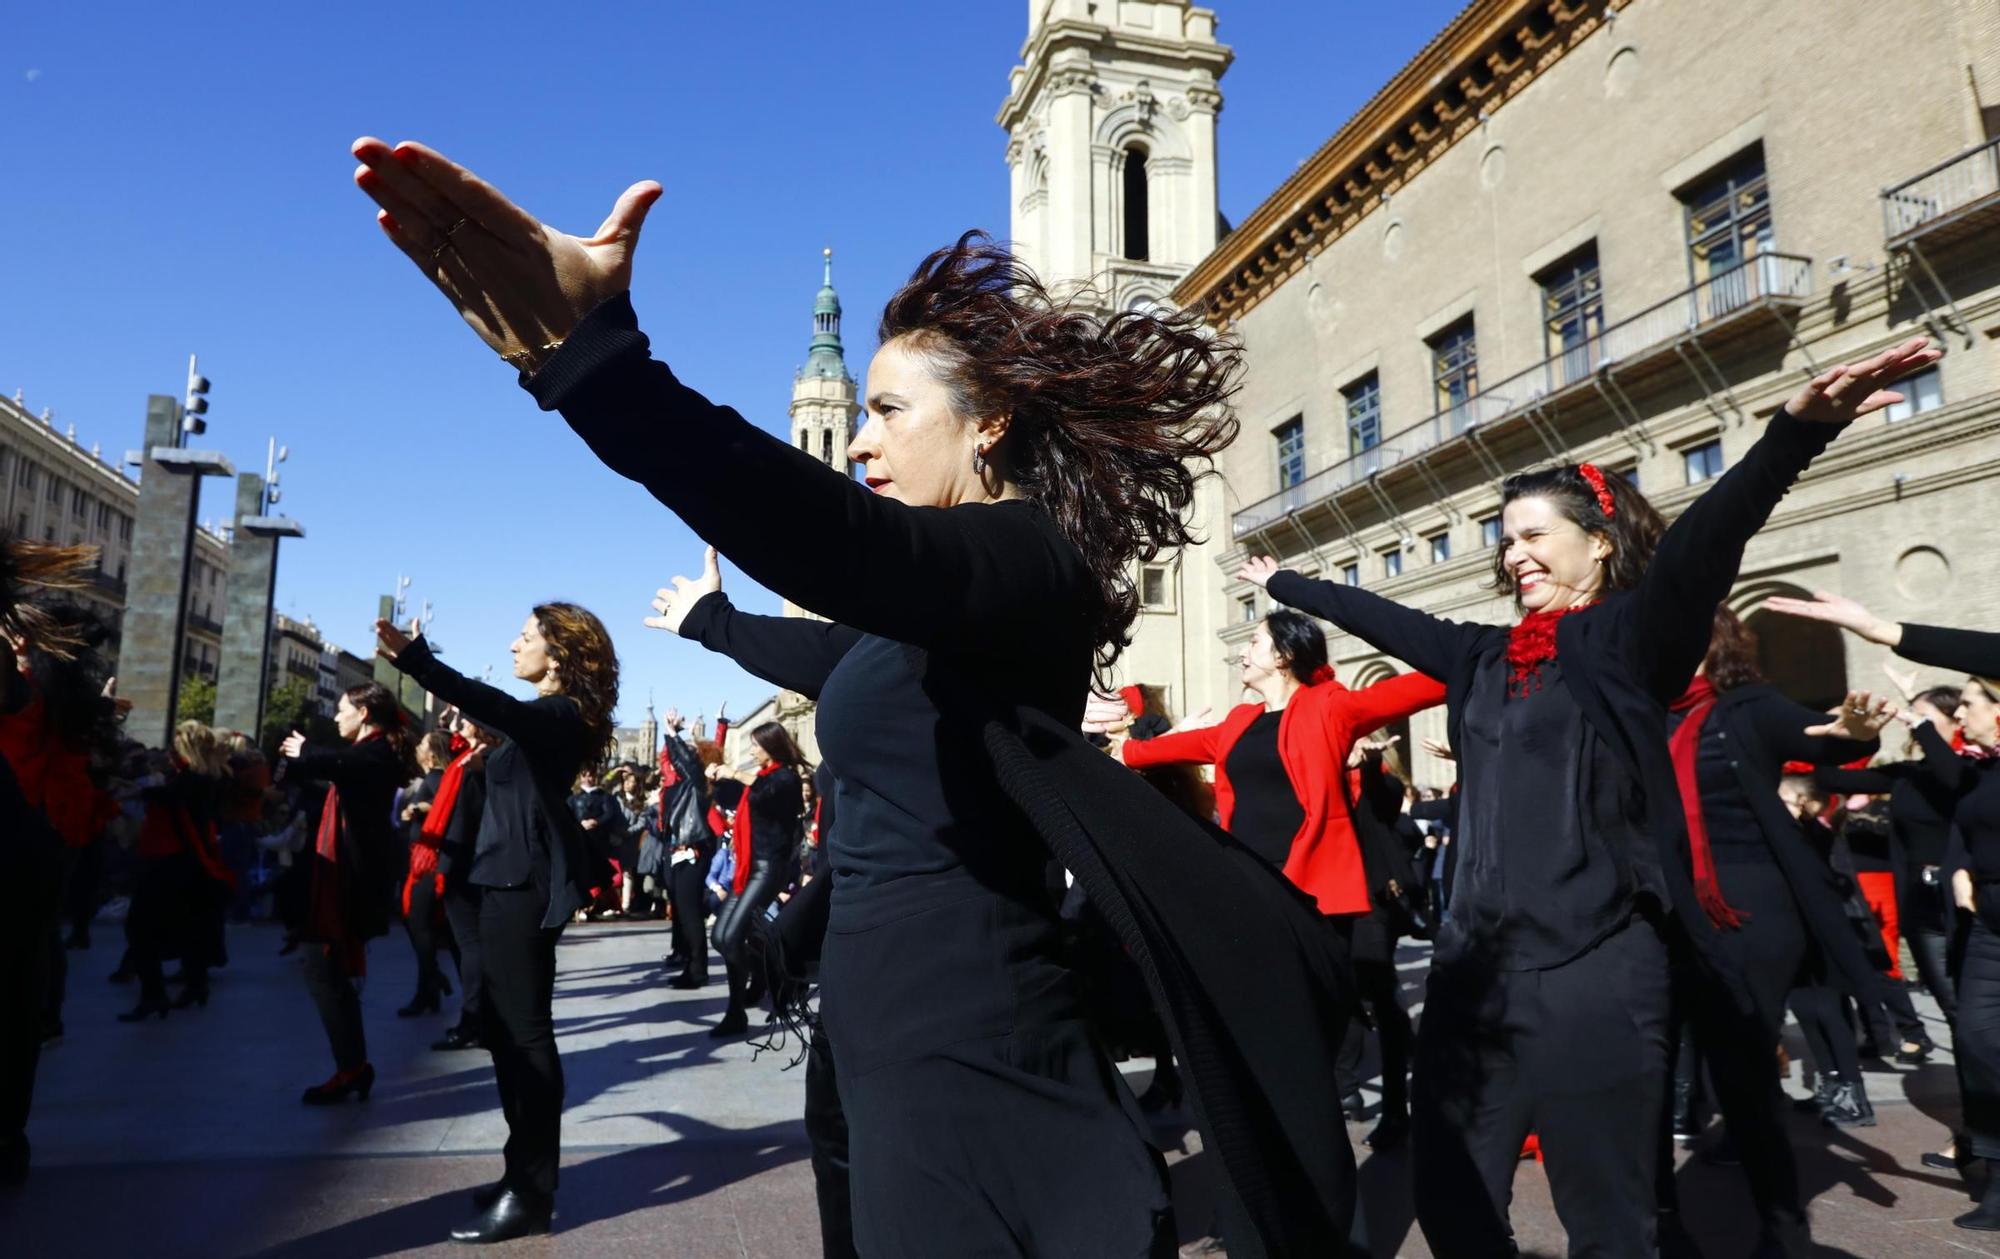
(288, 707)
(197, 701)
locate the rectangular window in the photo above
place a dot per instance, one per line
(1703, 462)
(1153, 586)
(1350, 574)
(1454, 366)
(1364, 413)
(1291, 439)
(1440, 544)
(1573, 315)
(1489, 531)
(1728, 219)
(55, 490)
(76, 503)
(1392, 563)
(1629, 473)
(1246, 609)
(1921, 392)
(826, 448)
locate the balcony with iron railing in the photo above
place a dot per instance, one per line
(1957, 198)
(204, 625)
(1694, 319)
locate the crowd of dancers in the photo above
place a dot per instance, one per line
(1004, 871)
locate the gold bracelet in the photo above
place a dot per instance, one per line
(530, 361)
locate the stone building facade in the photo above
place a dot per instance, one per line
(53, 490)
(1624, 231)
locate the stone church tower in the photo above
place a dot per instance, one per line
(1110, 124)
(825, 399)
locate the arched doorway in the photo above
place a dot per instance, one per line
(1806, 660)
(1397, 732)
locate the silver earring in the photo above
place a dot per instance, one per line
(979, 461)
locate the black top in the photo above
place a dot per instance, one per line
(1622, 660)
(1971, 784)
(777, 801)
(1919, 806)
(599, 805)
(461, 830)
(367, 775)
(527, 837)
(1268, 813)
(425, 792)
(685, 806)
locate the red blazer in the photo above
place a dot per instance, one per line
(1315, 735)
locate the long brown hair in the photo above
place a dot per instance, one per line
(1111, 419)
(777, 744)
(379, 707)
(1732, 653)
(28, 572)
(1633, 526)
(586, 668)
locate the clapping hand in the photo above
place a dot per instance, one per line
(1842, 393)
(521, 284)
(1860, 717)
(674, 604)
(1258, 571)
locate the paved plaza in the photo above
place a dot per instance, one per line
(185, 1137)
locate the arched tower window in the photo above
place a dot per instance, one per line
(1137, 211)
(826, 447)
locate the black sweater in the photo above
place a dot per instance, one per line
(527, 837)
(1623, 661)
(777, 800)
(977, 624)
(367, 774)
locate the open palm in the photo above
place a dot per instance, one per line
(1842, 393)
(521, 284)
(673, 603)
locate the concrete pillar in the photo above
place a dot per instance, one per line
(149, 652)
(244, 679)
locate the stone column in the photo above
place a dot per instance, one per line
(149, 653)
(245, 675)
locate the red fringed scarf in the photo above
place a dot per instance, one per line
(739, 833)
(1531, 642)
(424, 852)
(1696, 703)
(329, 923)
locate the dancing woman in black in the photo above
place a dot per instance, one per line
(530, 869)
(1548, 998)
(1022, 456)
(353, 870)
(768, 800)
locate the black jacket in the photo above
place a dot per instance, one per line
(686, 803)
(776, 801)
(367, 775)
(527, 836)
(1623, 660)
(461, 830)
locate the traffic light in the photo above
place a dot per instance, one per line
(196, 403)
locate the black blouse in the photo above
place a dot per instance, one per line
(1268, 813)
(1974, 785)
(367, 775)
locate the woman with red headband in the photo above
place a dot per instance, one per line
(1282, 788)
(353, 870)
(1547, 1007)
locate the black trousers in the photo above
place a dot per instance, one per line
(1978, 1034)
(684, 888)
(1822, 1014)
(1381, 992)
(461, 911)
(520, 970)
(826, 1132)
(741, 916)
(982, 1118)
(28, 927)
(426, 934)
(339, 1006)
(1576, 1054)
(1925, 917)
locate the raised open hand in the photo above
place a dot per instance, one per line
(674, 604)
(1860, 717)
(1258, 570)
(1839, 610)
(521, 284)
(390, 641)
(1841, 393)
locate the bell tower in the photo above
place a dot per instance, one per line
(824, 401)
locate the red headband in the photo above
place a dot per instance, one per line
(1605, 504)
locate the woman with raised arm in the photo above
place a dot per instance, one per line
(353, 870)
(529, 867)
(1282, 788)
(1021, 455)
(1548, 999)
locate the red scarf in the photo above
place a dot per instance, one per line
(1696, 703)
(329, 924)
(1531, 642)
(739, 833)
(669, 779)
(446, 798)
(54, 777)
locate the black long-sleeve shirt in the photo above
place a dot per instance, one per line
(1622, 661)
(942, 616)
(777, 801)
(527, 836)
(367, 775)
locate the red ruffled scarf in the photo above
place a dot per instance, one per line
(329, 923)
(1696, 703)
(1530, 643)
(739, 832)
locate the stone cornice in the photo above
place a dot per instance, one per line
(1490, 52)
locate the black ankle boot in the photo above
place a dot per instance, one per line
(1822, 1095)
(1849, 1107)
(511, 1215)
(1985, 1217)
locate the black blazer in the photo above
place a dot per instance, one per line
(1624, 660)
(367, 775)
(527, 837)
(461, 832)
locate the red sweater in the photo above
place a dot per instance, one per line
(1315, 735)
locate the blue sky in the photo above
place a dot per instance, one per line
(180, 183)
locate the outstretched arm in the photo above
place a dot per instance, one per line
(1187, 747)
(538, 725)
(1961, 650)
(1432, 645)
(796, 653)
(1390, 700)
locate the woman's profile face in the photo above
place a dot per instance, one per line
(1979, 715)
(348, 719)
(758, 756)
(1946, 723)
(1259, 656)
(531, 652)
(1553, 562)
(915, 447)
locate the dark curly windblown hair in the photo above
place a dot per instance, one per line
(586, 668)
(1633, 529)
(30, 573)
(55, 639)
(1732, 653)
(1112, 419)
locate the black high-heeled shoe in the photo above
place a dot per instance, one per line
(1911, 1057)
(358, 1081)
(421, 1004)
(146, 1009)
